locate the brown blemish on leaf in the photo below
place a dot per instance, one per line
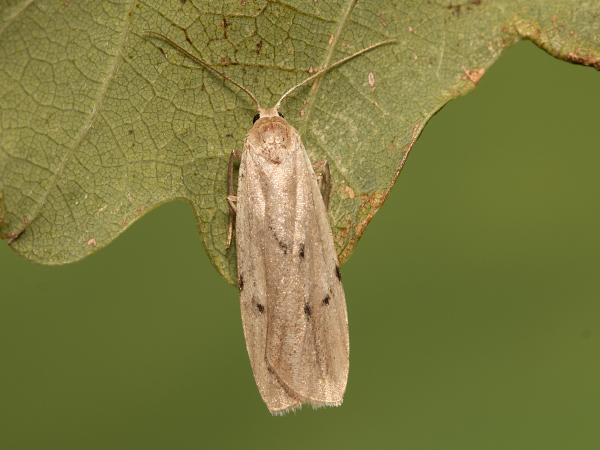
(543, 40)
(350, 192)
(92, 242)
(311, 69)
(258, 47)
(364, 196)
(474, 75)
(302, 112)
(165, 54)
(381, 19)
(367, 210)
(455, 8)
(410, 29)
(589, 60)
(391, 146)
(13, 236)
(138, 211)
(124, 221)
(491, 46)
(371, 79)
(330, 39)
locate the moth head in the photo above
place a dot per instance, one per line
(271, 136)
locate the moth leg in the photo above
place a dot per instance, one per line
(231, 197)
(323, 163)
(232, 200)
(319, 177)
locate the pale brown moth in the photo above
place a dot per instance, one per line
(291, 294)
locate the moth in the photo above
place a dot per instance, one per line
(291, 294)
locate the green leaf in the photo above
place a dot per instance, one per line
(100, 123)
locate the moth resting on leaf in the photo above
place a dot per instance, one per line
(291, 294)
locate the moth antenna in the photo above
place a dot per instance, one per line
(208, 66)
(320, 71)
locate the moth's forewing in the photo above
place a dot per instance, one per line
(292, 299)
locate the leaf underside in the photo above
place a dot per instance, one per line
(100, 123)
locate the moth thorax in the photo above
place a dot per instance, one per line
(273, 136)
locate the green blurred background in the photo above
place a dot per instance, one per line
(473, 300)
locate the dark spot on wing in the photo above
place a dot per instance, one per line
(307, 311)
(241, 282)
(301, 252)
(283, 246)
(337, 273)
(256, 117)
(326, 300)
(259, 306)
